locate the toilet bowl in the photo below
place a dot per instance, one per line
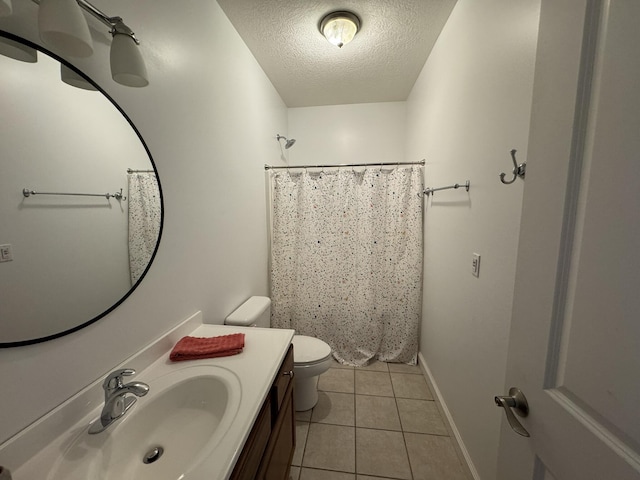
(311, 356)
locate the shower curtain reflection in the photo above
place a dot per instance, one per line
(144, 221)
(346, 260)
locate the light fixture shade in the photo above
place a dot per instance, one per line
(70, 77)
(339, 28)
(127, 64)
(63, 26)
(18, 51)
(5, 8)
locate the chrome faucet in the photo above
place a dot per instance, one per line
(117, 400)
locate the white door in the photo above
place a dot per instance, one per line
(574, 346)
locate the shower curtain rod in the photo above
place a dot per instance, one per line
(130, 170)
(383, 164)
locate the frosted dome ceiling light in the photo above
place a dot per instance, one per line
(339, 28)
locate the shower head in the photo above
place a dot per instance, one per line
(288, 142)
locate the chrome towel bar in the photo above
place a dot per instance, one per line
(428, 191)
(118, 195)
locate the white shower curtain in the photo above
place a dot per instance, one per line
(144, 221)
(346, 260)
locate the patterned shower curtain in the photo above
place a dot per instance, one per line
(346, 260)
(144, 221)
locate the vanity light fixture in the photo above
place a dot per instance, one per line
(6, 8)
(62, 25)
(18, 51)
(70, 77)
(339, 28)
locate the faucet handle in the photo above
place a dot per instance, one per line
(114, 379)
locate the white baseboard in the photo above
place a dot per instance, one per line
(462, 450)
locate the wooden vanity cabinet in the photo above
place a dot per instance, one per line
(268, 452)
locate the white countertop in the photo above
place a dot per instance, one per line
(256, 368)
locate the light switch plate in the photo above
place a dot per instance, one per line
(475, 265)
(6, 255)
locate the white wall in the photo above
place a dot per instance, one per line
(358, 133)
(468, 109)
(209, 117)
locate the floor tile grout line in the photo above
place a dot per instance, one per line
(402, 430)
(404, 439)
(355, 433)
(304, 450)
(406, 449)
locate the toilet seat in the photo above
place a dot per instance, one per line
(309, 351)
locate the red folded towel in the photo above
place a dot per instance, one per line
(193, 348)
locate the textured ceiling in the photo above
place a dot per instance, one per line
(380, 65)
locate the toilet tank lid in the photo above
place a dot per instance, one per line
(248, 313)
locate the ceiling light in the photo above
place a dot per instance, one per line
(339, 28)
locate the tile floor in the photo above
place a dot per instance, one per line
(374, 423)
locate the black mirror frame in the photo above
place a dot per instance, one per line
(39, 48)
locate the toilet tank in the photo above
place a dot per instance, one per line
(255, 312)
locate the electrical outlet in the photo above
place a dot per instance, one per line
(475, 265)
(6, 255)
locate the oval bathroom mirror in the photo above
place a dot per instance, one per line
(68, 260)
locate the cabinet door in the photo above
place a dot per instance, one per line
(281, 383)
(278, 460)
(251, 455)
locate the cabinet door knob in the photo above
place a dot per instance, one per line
(288, 374)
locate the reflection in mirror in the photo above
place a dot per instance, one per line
(68, 260)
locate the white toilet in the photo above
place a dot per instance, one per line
(311, 356)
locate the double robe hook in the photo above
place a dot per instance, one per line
(518, 170)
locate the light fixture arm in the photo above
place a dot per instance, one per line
(116, 24)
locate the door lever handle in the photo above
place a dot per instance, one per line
(518, 402)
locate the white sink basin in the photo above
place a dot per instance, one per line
(186, 413)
